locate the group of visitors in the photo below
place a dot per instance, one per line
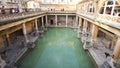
(12, 10)
(54, 9)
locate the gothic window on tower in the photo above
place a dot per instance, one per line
(110, 8)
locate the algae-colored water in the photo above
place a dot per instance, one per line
(59, 48)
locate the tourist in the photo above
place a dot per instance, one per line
(3, 10)
(107, 54)
(16, 10)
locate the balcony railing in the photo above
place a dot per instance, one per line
(7, 18)
(90, 16)
(112, 21)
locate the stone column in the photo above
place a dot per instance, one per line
(85, 24)
(25, 32)
(94, 32)
(66, 20)
(42, 22)
(84, 35)
(80, 22)
(46, 20)
(79, 31)
(8, 39)
(36, 25)
(56, 20)
(116, 51)
(76, 21)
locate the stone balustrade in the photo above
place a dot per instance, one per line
(7, 18)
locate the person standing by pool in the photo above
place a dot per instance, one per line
(3, 10)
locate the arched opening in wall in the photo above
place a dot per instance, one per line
(51, 22)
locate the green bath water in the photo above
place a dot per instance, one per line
(59, 48)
